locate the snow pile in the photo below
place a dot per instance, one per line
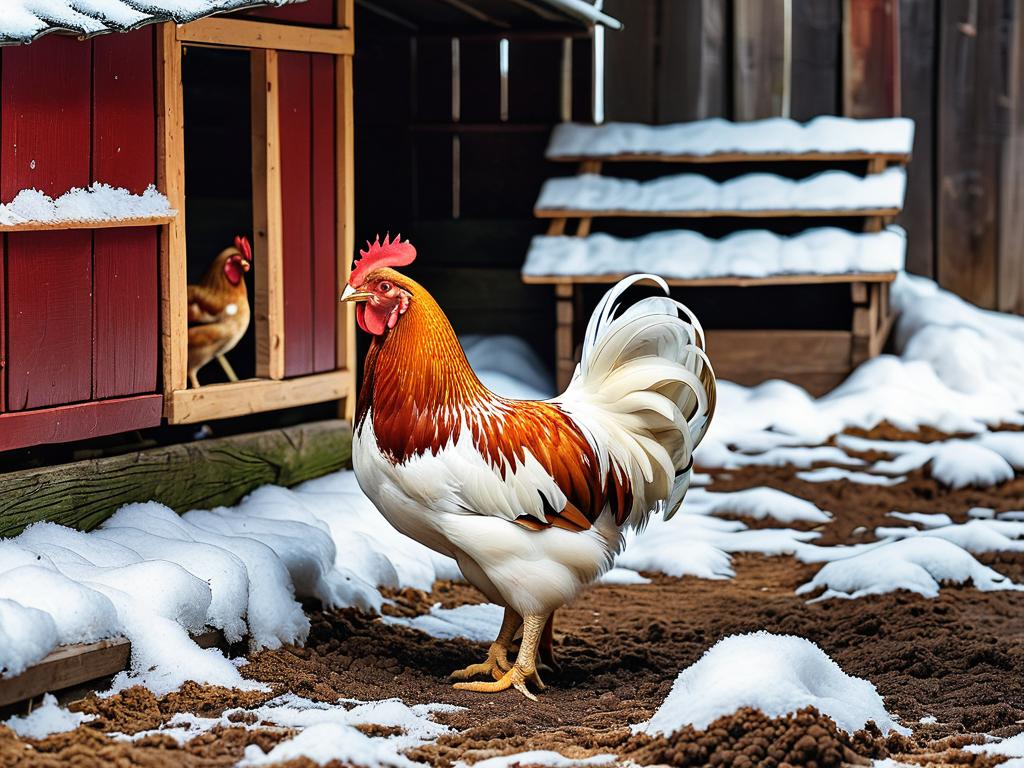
(777, 674)
(831, 474)
(27, 635)
(48, 718)
(689, 255)
(759, 503)
(545, 757)
(1012, 746)
(924, 519)
(479, 623)
(508, 366)
(824, 191)
(24, 20)
(977, 536)
(98, 202)
(915, 564)
(716, 136)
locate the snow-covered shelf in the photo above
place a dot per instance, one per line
(686, 195)
(822, 254)
(95, 207)
(717, 140)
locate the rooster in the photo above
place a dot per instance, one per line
(531, 498)
(218, 310)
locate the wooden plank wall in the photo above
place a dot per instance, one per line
(955, 66)
(79, 319)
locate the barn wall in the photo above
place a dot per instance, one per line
(955, 67)
(79, 320)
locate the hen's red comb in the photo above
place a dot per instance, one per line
(390, 253)
(242, 244)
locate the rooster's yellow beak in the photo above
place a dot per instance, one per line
(351, 294)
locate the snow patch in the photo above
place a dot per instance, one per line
(479, 623)
(46, 719)
(545, 757)
(831, 474)
(1012, 746)
(97, 202)
(777, 674)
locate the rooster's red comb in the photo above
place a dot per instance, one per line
(390, 253)
(242, 244)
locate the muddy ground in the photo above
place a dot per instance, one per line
(958, 658)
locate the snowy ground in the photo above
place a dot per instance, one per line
(860, 525)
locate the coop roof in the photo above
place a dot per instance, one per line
(22, 21)
(491, 15)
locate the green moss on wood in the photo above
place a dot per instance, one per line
(195, 475)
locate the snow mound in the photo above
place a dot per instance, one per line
(824, 191)
(46, 719)
(924, 519)
(27, 635)
(544, 757)
(916, 564)
(715, 135)
(761, 503)
(977, 536)
(97, 202)
(687, 255)
(777, 674)
(327, 743)
(479, 623)
(831, 474)
(1012, 746)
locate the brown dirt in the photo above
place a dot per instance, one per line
(959, 657)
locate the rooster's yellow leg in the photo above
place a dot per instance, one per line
(193, 379)
(497, 663)
(546, 656)
(227, 368)
(525, 668)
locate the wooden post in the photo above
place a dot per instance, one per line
(565, 351)
(866, 304)
(345, 158)
(171, 181)
(266, 215)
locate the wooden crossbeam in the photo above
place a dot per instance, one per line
(885, 158)
(856, 279)
(788, 213)
(136, 221)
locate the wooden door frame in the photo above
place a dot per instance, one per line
(270, 390)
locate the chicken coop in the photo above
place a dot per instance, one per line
(128, 161)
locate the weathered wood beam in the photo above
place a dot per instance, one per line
(195, 475)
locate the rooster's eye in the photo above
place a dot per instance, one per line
(384, 287)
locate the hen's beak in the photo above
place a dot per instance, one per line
(351, 294)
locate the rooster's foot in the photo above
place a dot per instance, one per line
(496, 665)
(514, 678)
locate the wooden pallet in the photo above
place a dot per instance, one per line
(816, 360)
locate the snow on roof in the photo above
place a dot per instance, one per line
(22, 21)
(824, 134)
(687, 192)
(683, 254)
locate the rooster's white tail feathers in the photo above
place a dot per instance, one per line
(644, 393)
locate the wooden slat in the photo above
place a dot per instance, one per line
(126, 305)
(199, 475)
(629, 88)
(759, 84)
(1010, 289)
(266, 213)
(971, 100)
(871, 58)
(918, 48)
(83, 421)
(345, 216)
(325, 252)
(3, 325)
(220, 30)
(219, 401)
(739, 157)
(72, 665)
(564, 213)
(746, 352)
(735, 282)
(308, 12)
(295, 100)
(693, 61)
(49, 226)
(171, 181)
(816, 59)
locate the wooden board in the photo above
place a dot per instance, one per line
(871, 58)
(691, 76)
(563, 213)
(125, 280)
(82, 421)
(1010, 291)
(220, 30)
(72, 665)
(735, 282)
(918, 49)
(760, 86)
(48, 226)
(739, 157)
(325, 288)
(3, 325)
(295, 107)
(816, 59)
(197, 475)
(308, 12)
(345, 214)
(220, 401)
(764, 352)
(630, 55)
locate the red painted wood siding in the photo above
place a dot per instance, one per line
(126, 323)
(308, 185)
(315, 12)
(45, 136)
(296, 193)
(79, 422)
(325, 265)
